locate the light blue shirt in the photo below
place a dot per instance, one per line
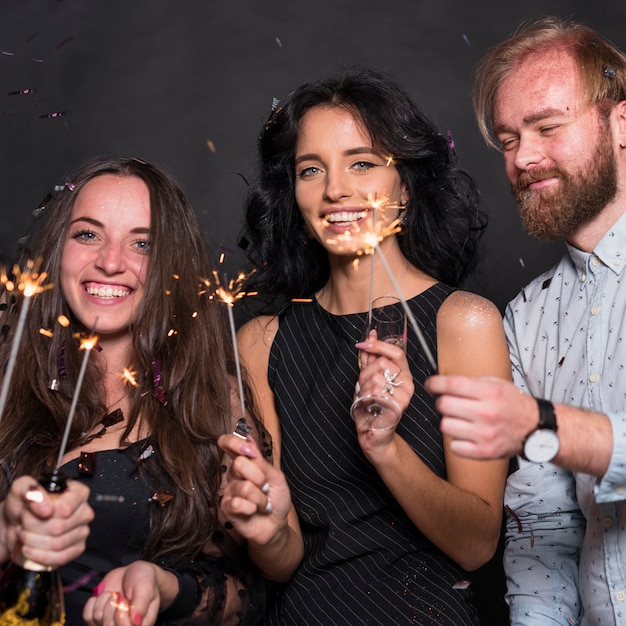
(565, 555)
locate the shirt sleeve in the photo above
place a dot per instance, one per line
(612, 486)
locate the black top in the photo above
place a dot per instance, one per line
(365, 562)
(219, 586)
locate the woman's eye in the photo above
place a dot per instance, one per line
(307, 172)
(363, 166)
(143, 245)
(84, 235)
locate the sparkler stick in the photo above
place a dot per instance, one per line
(407, 310)
(86, 345)
(29, 282)
(228, 293)
(237, 365)
(371, 298)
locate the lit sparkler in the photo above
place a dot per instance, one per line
(29, 282)
(370, 244)
(87, 345)
(367, 232)
(229, 292)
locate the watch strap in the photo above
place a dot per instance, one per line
(547, 415)
(547, 420)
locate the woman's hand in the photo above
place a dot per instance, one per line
(50, 529)
(256, 498)
(131, 596)
(385, 371)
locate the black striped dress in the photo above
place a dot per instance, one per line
(365, 562)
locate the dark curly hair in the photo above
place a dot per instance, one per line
(443, 222)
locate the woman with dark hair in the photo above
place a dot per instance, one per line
(391, 520)
(125, 256)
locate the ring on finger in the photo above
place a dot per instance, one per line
(390, 377)
(388, 389)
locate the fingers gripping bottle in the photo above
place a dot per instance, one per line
(30, 593)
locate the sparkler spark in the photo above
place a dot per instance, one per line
(29, 282)
(129, 376)
(370, 230)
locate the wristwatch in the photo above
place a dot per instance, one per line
(542, 444)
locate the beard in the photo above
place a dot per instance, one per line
(557, 213)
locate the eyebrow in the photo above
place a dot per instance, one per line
(532, 119)
(353, 151)
(94, 222)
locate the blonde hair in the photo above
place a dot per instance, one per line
(601, 65)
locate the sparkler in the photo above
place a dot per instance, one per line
(229, 292)
(370, 244)
(409, 313)
(87, 345)
(363, 239)
(29, 282)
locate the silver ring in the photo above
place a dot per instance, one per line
(391, 378)
(388, 388)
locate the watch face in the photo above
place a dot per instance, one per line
(541, 446)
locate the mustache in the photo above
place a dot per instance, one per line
(535, 175)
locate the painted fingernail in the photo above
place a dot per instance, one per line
(265, 488)
(248, 451)
(99, 588)
(363, 345)
(34, 495)
(138, 619)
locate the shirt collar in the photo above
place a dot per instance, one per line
(611, 250)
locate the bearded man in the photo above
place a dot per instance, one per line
(552, 98)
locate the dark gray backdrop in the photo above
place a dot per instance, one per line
(165, 79)
(160, 79)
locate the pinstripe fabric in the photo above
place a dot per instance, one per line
(365, 563)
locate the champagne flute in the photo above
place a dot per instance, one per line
(380, 411)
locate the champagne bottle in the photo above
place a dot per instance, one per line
(31, 593)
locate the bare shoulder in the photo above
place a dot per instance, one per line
(463, 310)
(470, 337)
(257, 335)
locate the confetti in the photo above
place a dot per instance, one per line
(462, 584)
(161, 497)
(53, 115)
(21, 92)
(65, 41)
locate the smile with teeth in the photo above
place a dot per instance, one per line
(345, 216)
(107, 292)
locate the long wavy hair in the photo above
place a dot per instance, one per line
(601, 65)
(185, 332)
(443, 219)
